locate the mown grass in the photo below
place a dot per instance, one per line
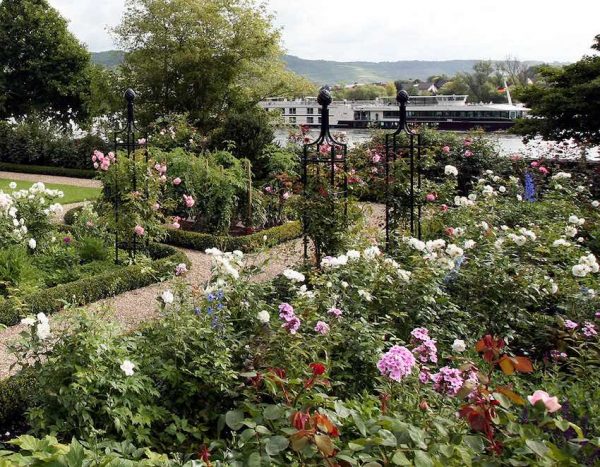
(73, 194)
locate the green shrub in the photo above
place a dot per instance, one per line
(16, 269)
(91, 249)
(247, 243)
(40, 143)
(47, 170)
(91, 289)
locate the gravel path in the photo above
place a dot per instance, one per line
(132, 308)
(82, 182)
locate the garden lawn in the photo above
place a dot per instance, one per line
(73, 194)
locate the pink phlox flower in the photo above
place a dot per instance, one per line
(396, 363)
(322, 327)
(448, 381)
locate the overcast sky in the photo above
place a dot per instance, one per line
(389, 30)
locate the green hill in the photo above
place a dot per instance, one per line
(108, 58)
(330, 72)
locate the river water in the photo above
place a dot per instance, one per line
(508, 144)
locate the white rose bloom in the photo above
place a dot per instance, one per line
(502, 189)
(12, 185)
(519, 198)
(595, 203)
(518, 239)
(29, 321)
(416, 244)
(561, 242)
(581, 239)
(344, 284)
(454, 251)
(294, 276)
(469, 244)
(580, 270)
(489, 172)
(573, 219)
(570, 231)
(372, 252)
(353, 254)
(263, 316)
(459, 345)
(404, 275)
(472, 197)
(528, 233)
(127, 367)
(32, 243)
(560, 175)
(488, 190)
(167, 297)
(213, 252)
(484, 225)
(42, 318)
(366, 295)
(451, 170)
(43, 331)
(433, 245)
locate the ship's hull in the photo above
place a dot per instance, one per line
(454, 125)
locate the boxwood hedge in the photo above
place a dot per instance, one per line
(247, 243)
(46, 170)
(91, 289)
(201, 241)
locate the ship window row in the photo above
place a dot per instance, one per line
(359, 115)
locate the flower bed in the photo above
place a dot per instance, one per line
(91, 289)
(201, 241)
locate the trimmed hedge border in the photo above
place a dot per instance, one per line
(201, 241)
(16, 392)
(47, 170)
(91, 289)
(247, 243)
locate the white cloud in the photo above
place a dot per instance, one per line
(388, 30)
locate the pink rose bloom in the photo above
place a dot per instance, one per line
(544, 170)
(268, 189)
(468, 142)
(597, 315)
(535, 164)
(376, 158)
(322, 328)
(175, 225)
(446, 149)
(444, 207)
(89, 224)
(468, 153)
(111, 156)
(515, 157)
(142, 141)
(335, 312)
(94, 158)
(177, 181)
(449, 231)
(551, 403)
(286, 195)
(430, 197)
(189, 201)
(139, 230)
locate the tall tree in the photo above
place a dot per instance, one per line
(43, 67)
(564, 102)
(202, 57)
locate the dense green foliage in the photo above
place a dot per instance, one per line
(44, 68)
(215, 57)
(35, 142)
(565, 102)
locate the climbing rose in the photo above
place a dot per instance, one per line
(139, 230)
(177, 181)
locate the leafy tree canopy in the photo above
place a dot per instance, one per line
(565, 102)
(204, 58)
(44, 69)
